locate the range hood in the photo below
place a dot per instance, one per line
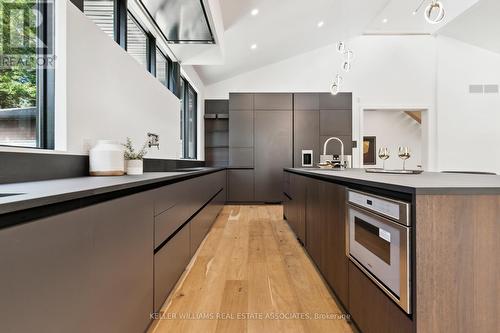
(181, 21)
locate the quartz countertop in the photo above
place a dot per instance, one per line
(42, 193)
(424, 183)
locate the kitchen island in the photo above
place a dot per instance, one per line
(100, 254)
(453, 227)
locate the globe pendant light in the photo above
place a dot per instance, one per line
(434, 13)
(336, 85)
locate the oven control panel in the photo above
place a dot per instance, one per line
(393, 209)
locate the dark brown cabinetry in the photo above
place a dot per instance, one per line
(295, 205)
(170, 262)
(315, 211)
(269, 131)
(217, 133)
(306, 135)
(240, 185)
(371, 309)
(273, 153)
(336, 120)
(95, 268)
(66, 270)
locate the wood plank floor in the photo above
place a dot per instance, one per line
(251, 275)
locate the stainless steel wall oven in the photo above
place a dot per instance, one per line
(379, 241)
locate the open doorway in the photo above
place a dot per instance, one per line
(391, 129)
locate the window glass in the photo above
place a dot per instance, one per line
(102, 13)
(182, 95)
(161, 67)
(136, 41)
(191, 123)
(26, 60)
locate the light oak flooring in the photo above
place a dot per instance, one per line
(251, 275)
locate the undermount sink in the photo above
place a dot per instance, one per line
(3, 195)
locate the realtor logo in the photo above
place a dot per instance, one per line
(26, 30)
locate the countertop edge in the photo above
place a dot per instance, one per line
(400, 188)
(33, 203)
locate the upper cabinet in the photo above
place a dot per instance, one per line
(270, 101)
(241, 129)
(306, 101)
(336, 122)
(341, 101)
(239, 101)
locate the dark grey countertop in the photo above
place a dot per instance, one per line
(42, 193)
(425, 183)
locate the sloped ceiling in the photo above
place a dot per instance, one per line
(286, 28)
(479, 26)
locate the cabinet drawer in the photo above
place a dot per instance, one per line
(166, 197)
(170, 263)
(371, 309)
(168, 222)
(201, 224)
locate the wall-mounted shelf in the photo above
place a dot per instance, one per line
(216, 116)
(217, 133)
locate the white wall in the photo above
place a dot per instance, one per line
(103, 93)
(388, 72)
(110, 96)
(468, 124)
(394, 129)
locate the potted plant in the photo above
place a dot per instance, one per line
(134, 160)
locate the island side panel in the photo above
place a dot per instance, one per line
(457, 263)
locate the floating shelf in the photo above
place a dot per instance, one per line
(217, 116)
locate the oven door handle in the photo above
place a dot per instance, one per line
(397, 225)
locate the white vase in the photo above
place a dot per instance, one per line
(134, 167)
(106, 159)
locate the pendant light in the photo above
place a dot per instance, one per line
(434, 13)
(348, 56)
(336, 86)
(340, 47)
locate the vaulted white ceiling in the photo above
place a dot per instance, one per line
(479, 26)
(285, 28)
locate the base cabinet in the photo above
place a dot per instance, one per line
(317, 211)
(94, 269)
(170, 262)
(240, 185)
(80, 271)
(371, 309)
(203, 221)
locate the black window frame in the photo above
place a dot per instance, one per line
(169, 67)
(150, 41)
(121, 13)
(45, 130)
(184, 120)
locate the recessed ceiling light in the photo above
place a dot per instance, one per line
(320, 24)
(385, 20)
(255, 12)
(253, 47)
